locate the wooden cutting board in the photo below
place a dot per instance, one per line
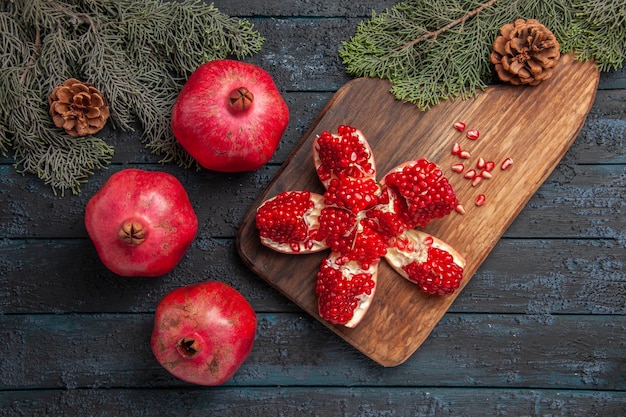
(532, 125)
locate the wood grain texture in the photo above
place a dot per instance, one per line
(304, 401)
(533, 126)
(487, 350)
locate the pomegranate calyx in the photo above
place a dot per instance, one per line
(132, 232)
(240, 99)
(188, 347)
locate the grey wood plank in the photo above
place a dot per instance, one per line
(536, 277)
(576, 201)
(464, 350)
(296, 401)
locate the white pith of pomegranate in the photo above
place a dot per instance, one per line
(141, 223)
(203, 332)
(230, 116)
(359, 220)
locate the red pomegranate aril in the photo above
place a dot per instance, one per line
(473, 134)
(458, 168)
(485, 174)
(464, 154)
(480, 199)
(506, 164)
(489, 166)
(456, 149)
(460, 209)
(480, 164)
(476, 181)
(470, 174)
(460, 126)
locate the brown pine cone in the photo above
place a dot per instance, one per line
(78, 108)
(526, 52)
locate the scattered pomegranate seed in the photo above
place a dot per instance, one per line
(480, 199)
(470, 174)
(489, 166)
(458, 168)
(460, 126)
(476, 181)
(460, 209)
(506, 164)
(465, 154)
(473, 134)
(485, 174)
(456, 149)
(481, 163)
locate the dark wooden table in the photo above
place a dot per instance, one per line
(540, 330)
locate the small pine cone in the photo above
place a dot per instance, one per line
(526, 52)
(78, 108)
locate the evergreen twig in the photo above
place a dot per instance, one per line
(432, 50)
(138, 53)
(450, 25)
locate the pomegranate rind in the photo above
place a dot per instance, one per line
(218, 318)
(339, 302)
(156, 200)
(308, 224)
(359, 164)
(218, 138)
(413, 247)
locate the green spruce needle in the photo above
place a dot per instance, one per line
(137, 53)
(432, 50)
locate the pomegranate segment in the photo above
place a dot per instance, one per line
(345, 289)
(346, 152)
(288, 222)
(421, 192)
(427, 261)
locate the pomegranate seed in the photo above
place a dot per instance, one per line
(465, 155)
(472, 134)
(481, 163)
(458, 167)
(480, 199)
(476, 181)
(460, 209)
(456, 148)
(489, 166)
(506, 164)
(485, 174)
(428, 241)
(460, 126)
(470, 174)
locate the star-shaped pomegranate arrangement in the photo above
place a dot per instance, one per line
(361, 221)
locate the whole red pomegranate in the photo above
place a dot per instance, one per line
(230, 116)
(203, 332)
(141, 223)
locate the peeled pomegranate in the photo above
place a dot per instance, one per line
(361, 221)
(203, 332)
(141, 223)
(230, 116)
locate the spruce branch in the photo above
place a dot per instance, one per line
(138, 53)
(450, 25)
(455, 62)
